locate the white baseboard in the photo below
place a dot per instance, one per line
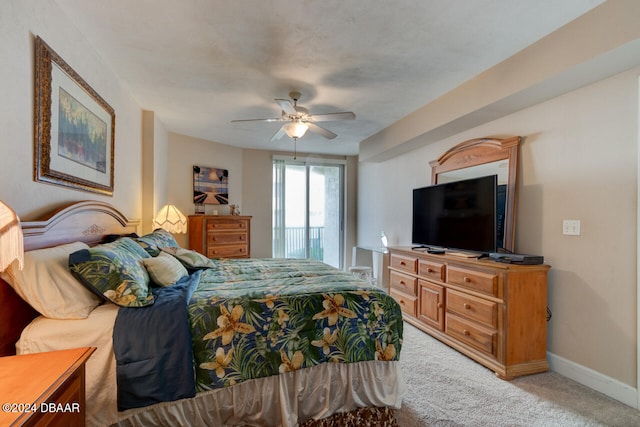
(606, 385)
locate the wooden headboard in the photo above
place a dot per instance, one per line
(87, 221)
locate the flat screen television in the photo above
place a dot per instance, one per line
(460, 215)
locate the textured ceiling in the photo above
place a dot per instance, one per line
(198, 64)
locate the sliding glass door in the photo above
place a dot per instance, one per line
(308, 211)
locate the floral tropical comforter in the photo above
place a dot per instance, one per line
(254, 318)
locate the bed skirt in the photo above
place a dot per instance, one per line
(286, 400)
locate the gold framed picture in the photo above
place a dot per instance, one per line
(74, 127)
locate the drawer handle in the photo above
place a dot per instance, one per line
(403, 263)
(466, 279)
(402, 283)
(402, 302)
(467, 306)
(439, 305)
(467, 333)
(429, 270)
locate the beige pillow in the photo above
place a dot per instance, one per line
(48, 286)
(164, 269)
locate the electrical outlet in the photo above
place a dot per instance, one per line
(571, 227)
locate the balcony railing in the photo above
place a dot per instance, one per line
(294, 242)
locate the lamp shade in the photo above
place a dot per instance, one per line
(11, 239)
(170, 219)
(296, 129)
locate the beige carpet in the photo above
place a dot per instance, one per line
(448, 389)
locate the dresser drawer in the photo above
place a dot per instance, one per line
(214, 238)
(431, 270)
(404, 263)
(474, 308)
(407, 302)
(472, 334)
(403, 283)
(228, 224)
(227, 251)
(479, 281)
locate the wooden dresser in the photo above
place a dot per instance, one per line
(44, 388)
(220, 236)
(492, 312)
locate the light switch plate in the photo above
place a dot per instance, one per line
(571, 227)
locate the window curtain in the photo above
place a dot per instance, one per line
(278, 246)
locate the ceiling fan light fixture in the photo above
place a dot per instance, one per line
(295, 129)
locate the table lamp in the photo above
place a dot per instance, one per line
(170, 219)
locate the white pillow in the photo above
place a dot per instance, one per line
(48, 286)
(164, 269)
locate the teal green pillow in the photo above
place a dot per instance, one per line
(115, 272)
(159, 238)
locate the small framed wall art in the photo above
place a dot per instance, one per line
(210, 186)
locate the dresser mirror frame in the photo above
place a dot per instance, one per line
(480, 157)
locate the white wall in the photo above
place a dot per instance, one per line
(155, 146)
(578, 161)
(20, 22)
(256, 199)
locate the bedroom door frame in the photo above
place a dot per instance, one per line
(308, 163)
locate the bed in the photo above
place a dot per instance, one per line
(268, 341)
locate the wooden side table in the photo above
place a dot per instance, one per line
(44, 388)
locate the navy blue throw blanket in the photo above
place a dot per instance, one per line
(152, 345)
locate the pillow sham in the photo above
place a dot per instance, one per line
(48, 286)
(114, 271)
(152, 242)
(188, 258)
(164, 269)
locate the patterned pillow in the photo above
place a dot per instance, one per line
(152, 242)
(164, 269)
(188, 258)
(114, 271)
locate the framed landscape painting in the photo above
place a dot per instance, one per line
(74, 127)
(210, 186)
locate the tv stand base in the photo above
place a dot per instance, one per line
(494, 313)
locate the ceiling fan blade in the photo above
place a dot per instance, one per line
(274, 119)
(320, 130)
(279, 134)
(347, 115)
(286, 106)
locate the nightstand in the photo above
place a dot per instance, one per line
(44, 388)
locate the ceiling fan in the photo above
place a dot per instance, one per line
(298, 120)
